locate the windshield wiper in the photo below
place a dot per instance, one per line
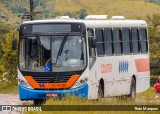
(61, 48)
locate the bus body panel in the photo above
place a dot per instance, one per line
(30, 94)
(117, 81)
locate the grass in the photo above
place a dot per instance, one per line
(8, 88)
(95, 112)
(148, 97)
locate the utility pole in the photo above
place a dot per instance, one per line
(31, 10)
(31, 14)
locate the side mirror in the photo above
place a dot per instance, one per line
(14, 44)
(14, 40)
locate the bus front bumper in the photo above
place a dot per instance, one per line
(31, 94)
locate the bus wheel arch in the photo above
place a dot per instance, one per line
(101, 88)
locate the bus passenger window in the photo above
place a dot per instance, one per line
(126, 41)
(143, 40)
(100, 42)
(135, 41)
(117, 38)
(108, 41)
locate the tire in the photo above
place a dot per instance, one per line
(132, 94)
(100, 91)
(38, 101)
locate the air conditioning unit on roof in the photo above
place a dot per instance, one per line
(96, 17)
(118, 18)
(62, 17)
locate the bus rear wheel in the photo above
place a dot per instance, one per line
(101, 89)
(133, 89)
(38, 101)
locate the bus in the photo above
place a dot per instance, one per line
(90, 58)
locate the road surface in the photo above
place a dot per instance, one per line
(10, 99)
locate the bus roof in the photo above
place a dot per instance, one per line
(95, 23)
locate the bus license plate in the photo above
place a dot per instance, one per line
(52, 94)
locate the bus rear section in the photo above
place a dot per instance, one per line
(119, 64)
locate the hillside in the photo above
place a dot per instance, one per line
(8, 20)
(128, 8)
(9, 9)
(52, 8)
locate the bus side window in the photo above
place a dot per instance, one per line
(92, 54)
(100, 42)
(108, 40)
(135, 40)
(117, 38)
(126, 41)
(143, 40)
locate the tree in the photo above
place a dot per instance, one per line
(9, 58)
(154, 36)
(82, 13)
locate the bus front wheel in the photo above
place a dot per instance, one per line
(38, 101)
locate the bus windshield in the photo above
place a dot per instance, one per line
(52, 53)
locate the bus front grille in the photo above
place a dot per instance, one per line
(51, 79)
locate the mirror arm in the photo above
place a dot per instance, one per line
(16, 30)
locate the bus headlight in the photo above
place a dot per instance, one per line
(24, 83)
(80, 82)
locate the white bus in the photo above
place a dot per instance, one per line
(90, 58)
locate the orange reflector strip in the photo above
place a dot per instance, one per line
(142, 65)
(63, 85)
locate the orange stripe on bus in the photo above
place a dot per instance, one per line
(142, 65)
(63, 85)
(32, 82)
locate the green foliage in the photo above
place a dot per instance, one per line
(82, 13)
(39, 3)
(109, 7)
(19, 10)
(154, 77)
(154, 36)
(9, 87)
(9, 58)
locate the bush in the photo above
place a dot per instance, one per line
(8, 60)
